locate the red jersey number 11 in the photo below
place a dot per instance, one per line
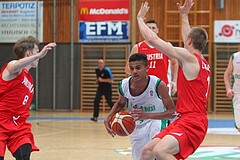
(152, 64)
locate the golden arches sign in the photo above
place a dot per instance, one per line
(83, 10)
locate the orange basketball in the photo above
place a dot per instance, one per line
(122, 123)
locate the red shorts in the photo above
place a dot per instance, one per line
(14, 135)
(189, 130)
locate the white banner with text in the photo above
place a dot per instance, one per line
(18, 19)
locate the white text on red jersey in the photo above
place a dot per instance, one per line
(205, 66)
(154, 56)
(28, 84)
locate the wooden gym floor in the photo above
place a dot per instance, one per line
(72, 136)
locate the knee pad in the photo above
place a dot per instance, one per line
(23, 152)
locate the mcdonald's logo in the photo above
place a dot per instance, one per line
(84, 10)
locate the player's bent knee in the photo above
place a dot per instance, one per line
(146, 155)
(23, 152)
(145, 150)
(158, 152)
(155, 152)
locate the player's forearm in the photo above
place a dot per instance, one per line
(185, 27)
(154, 40)
(168, 114)
(107, 80)
(147, 33)
(22, 63)
(174, 72)
(227, 81)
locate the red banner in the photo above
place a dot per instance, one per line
(104, 10)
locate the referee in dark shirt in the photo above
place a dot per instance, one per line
(104, 81)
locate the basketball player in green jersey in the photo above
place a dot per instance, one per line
(234, 93)
(146, 97)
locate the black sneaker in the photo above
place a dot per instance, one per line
(236, 126)
(94, 119)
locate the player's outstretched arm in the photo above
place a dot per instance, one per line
(46, 48)
(117, 107)
(184, 11)
(180, 54)
(134, 50)
(168, 102)
(16, 66)
(227, 75)
(174, 68)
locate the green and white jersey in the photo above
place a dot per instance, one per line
(236, 71)
(148, 101)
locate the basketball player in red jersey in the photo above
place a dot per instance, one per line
(184, 135)
(16, 92)
(157, 61)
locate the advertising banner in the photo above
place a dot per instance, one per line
(18, 19)
(227, 31)
(107, 31)
(104, 10)
(104, 20)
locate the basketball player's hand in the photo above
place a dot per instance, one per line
(230, 93)
(45, 49)
(143, 10)
(137, 114)
(108, 127)
(185, 8)
(100, 79)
